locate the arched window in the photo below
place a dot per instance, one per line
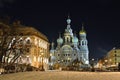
(21, 41)
(67, 39)
(28, 50)
(82, 43)
(28, 41)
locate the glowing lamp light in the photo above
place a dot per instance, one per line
(27, 56)
(86, 62)
(35, 58)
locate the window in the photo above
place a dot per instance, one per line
(68, 60)
(21, 41)
(28, 41)
(82, 42)
(28, 50)
(74, 54)
(67, 39)
(68, 54)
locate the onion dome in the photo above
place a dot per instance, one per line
(53, 58)
(75, 39)
(68, 30)
(68, 20)
(59, 40)
(82, 31)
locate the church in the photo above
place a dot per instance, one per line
(70, 51)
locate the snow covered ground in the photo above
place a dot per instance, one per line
(61, 75)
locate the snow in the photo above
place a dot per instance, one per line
(61, 75)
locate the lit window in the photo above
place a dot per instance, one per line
(35, 58)
(28, 40)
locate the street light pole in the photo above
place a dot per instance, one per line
(42, 63)
(92, 64)
(115, 57)
(110, 62)
(106, 63)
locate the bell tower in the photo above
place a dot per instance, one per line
(84, 52)
(68, 34)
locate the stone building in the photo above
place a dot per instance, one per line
(111, 60)
(34, 44)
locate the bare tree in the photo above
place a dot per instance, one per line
(4, 34)
(11, 45)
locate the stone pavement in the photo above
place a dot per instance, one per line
(61, 75)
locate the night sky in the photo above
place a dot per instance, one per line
(101, 19)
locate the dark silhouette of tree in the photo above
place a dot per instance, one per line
(11, 45)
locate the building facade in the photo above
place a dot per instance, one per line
(70, 49)
(32, 46)
(112, 59)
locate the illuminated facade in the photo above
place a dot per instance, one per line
(70, 49)
(112, 59)
(35, 46)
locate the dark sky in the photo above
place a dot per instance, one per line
(101, 19)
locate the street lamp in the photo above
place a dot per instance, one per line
(42, 62)
(51, 62)
(27, 62)
(92, 64)
(110, 62)
(106, 63)
(115, 57)
(68, 59)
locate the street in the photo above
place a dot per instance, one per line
(61, 75)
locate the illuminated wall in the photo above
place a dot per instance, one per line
(35, 46)
(113, 56)
(111, 59)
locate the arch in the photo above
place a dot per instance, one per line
(28, 40)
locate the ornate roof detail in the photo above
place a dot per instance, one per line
(83, 30)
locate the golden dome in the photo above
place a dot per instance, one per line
(82, 31)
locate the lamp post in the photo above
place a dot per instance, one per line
(42, 62)
(68, 60)
(106, 63)
(92, 64)
(110, 62)
(115, 57)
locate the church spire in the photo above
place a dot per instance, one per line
(75, 33)
(59, 34)
(52, 45)
(82, 27)
(83, 30)
(68, 20)
(68, 30)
